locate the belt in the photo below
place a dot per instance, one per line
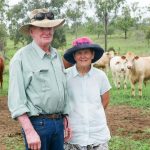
(49, 116)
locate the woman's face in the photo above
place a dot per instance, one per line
(84, 57)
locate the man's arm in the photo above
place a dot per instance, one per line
(32, 137)
(105, 99)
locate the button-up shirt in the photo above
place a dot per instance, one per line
(37, 83)
(87, 115)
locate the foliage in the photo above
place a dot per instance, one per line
(3, 36)
(104, 11)
(93, 27)
(107, 7)
(124, 22)
(74, 14)
(18, 15)
(3, 31)
(148, 36)
(137, 14)
(111, 29)
(3, 7)
(59, 38)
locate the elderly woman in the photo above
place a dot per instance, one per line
(88, 91)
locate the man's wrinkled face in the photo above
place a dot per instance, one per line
(42, 36)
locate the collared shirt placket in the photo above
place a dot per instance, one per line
(57, 80)
(85, 101)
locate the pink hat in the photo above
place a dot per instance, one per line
(81, 44)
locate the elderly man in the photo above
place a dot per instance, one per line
(37, 95)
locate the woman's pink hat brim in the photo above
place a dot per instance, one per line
(81, 44)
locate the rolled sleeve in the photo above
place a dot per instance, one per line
(19, 111)
(16, 94)
(105, 85)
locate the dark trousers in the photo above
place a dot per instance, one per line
(51, 132)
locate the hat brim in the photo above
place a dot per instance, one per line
(46, 23)
(68, 55)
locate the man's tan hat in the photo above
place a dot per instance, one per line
(41, 18)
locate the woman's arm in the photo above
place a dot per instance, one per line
(105, 99)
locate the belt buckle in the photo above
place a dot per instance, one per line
(55, 116)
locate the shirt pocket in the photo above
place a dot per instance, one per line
(41, 79)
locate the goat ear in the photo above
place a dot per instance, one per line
(123, 57)
(136, 57)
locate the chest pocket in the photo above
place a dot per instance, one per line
(41, 80)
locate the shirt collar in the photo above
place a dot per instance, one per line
(76, 73)
(42, 53)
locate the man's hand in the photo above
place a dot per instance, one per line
(33, 139)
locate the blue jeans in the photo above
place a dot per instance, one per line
(51, 132)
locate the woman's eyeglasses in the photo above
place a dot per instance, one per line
(41, 16)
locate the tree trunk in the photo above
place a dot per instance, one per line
(125, 34)
(106, 29)
(76, 29)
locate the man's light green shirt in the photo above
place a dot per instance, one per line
(37, 83)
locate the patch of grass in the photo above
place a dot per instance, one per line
(120, 130)
(123, 97)
(14, 143)
(147, 130)
(119, 143)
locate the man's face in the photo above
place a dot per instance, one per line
(42, 36)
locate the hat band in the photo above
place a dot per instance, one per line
(81, 43)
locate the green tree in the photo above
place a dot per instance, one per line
(74, 13)
(3, 30)
(124, 22)
(148, 37)
(2, 9)
(93, 27)
(111, 29)
(137, 14)
(3, 38)
(18, 15)
(15, 16)
(106, 11)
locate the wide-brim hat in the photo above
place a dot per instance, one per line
(45, 23)
(81, 44)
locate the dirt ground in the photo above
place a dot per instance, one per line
(122, 121)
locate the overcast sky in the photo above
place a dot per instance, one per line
(141, 2)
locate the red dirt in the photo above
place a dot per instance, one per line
(122, 120)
